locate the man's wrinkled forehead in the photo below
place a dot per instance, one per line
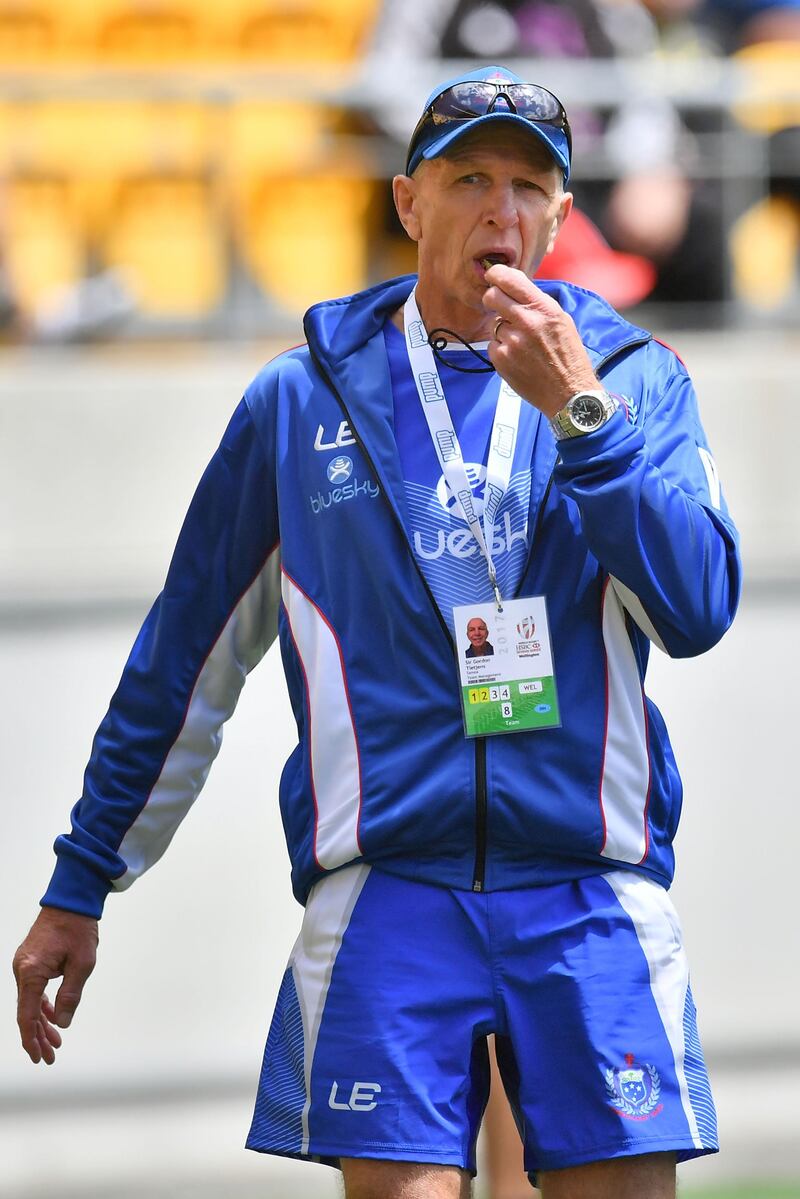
(504, 141)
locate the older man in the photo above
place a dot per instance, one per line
(478, 636)
(369, 486)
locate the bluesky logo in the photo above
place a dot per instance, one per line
(340, 469)
(354, 489)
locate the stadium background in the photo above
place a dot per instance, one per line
(178, 180)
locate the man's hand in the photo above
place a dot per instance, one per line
(536, 346)
(59, 944)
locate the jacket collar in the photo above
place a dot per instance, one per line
(338, 328)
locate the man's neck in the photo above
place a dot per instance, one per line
(470, 326)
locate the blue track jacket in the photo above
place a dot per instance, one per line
(631, 544)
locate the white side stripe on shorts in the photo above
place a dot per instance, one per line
(650, 909)
(327, 915)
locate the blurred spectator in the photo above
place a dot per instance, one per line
(583, 256)
(8, 307)
(8, 310)
(649, 206)
(739, 23)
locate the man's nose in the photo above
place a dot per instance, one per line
(502, 208)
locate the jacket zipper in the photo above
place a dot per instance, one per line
(481, 815)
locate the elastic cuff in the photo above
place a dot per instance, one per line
(574, 451)
(76, 887)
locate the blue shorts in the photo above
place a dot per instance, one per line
(378, 1044)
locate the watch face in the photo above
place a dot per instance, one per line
(586, 411)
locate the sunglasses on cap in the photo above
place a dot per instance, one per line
(479, 98)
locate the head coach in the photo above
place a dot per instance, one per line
(458, 438)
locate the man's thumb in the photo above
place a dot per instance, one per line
(69, 993)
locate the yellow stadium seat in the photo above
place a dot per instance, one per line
(268, 137)
(98, 142)
(136, 173)
(765, 243)
(296, 31)
(45, 249)
(110, 136)
(31, 32)
(770, 96)
(168, 242)
(137, 32)
(305, 238)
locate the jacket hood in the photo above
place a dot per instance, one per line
(337, 328)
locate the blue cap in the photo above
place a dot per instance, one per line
(434, 139)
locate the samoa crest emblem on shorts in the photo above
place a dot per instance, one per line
(635, 1090)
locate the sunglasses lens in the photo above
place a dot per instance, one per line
(534, 103)
(465, 101)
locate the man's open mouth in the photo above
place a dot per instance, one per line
(493, 259)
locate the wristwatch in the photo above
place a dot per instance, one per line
(584, 412)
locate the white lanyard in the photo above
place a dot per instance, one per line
(445, 441)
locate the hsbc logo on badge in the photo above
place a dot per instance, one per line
(528, 645)
(340, 469)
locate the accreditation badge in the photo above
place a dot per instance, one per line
(505, 664)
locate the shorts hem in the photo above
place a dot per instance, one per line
(683, 1148)
(329, 1155)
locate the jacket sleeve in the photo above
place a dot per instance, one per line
(653, 513)
(214, 620)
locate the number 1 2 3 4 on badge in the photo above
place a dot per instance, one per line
(506, 667)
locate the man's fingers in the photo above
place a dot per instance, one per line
(51, 1033)
(508, 286)
(29, 1030)
(40, 1038)
(48, 1048)
(29, 1006)
(70, 991)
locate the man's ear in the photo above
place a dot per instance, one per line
(404, 190)
(565, 208)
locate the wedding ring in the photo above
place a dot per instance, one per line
(501, 320)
